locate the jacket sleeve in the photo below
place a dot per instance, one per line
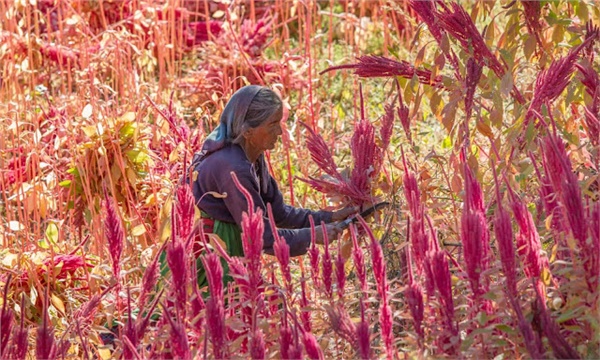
(290, 217)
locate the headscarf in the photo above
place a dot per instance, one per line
(230, 128)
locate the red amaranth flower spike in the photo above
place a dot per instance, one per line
(457, 22)
(252, 237)
(178, 264)
(113, 230)
(369, 66)
(551, 82)
(427, 12)
(313, 252)
(327, 269)
(282, 251)
(363, 334)
(6, 319)
(367, 156)
(474, 71)
(257, 344)
(340, 272)
(19, 338)
(380, 274)
(340, 322)
(532, 12)
(474, 231)
(414, 297)
(311, 346)
(185, 210)
(215, 307)
(359, 260)
(320, 154)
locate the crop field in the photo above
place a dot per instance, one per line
(478, 121)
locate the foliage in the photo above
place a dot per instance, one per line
(491, 248)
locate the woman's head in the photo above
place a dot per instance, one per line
(263, 107)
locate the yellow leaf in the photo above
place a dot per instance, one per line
(104, 353)
(138, 230)
(216, 242)
(553, 253)
(89, 131)
(548, 222)
(58, 303)
(546, 276)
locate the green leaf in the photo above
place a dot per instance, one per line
(127, 131)
(65, 183)
(52, 233)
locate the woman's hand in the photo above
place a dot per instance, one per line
(332, 233)
(342, 214)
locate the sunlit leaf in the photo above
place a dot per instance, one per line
(87, 111)
(138, 230)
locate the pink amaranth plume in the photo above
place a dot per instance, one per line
(532, 10)
(378, 66)
(428, 13)
(6, 319)
(591, 81)
(179, 343)
(177, 260)
(340, 322)
(252, 238)
(443, 283)
(380, 274)
(113, 230)
(551, 82)
(359, 260)
(414, 297)
(457, 22)
(363, 334)
(592, 260)
(313, 253)
(311, 346)
(320, 153)
(474, 71)
(327, 270)
(565, 184)
(282, 251)
(528, 241)
(340, 273)
(257, 344)
(474, 232)
(504, 237)
(366, 154)
(19, 338)
(185, 210)
(215, 307)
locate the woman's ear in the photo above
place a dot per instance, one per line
(248, 133)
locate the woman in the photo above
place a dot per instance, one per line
(250, 125)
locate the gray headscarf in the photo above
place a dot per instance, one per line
(230, 130)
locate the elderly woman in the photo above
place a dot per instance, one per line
(250, 125)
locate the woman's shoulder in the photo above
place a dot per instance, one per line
(229, 158)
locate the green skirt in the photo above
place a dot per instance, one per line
(231, 235)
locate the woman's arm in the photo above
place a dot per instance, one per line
(297, 239)
(290, 217)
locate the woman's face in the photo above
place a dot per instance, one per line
(265, 136)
